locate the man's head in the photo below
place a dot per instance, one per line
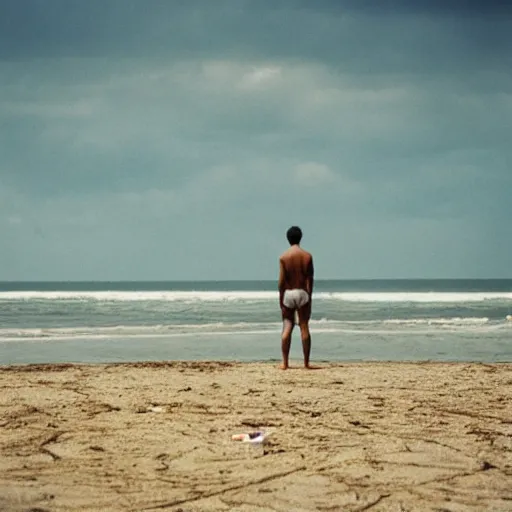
(294, 235)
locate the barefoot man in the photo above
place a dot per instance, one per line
(295, 289)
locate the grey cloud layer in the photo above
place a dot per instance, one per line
(361, 36)
(159, 124)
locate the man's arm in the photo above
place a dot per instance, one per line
(310, 277)
(281, 282)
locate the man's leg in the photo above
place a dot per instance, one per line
(286, 341)
(304, 316)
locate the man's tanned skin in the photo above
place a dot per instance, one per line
(295, 293)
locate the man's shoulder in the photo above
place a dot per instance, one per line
(285, 255)
(307, 254)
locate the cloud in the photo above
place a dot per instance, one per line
(148, 135)
(261, 77)
(313, 174)
(14, 220)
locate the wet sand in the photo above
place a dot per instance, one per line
(348, 437)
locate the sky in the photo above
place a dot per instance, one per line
(178, 140)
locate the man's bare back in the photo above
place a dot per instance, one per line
(296, 273)
(297, 266)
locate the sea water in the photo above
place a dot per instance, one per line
(450, 320)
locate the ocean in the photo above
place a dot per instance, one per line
(365, 320)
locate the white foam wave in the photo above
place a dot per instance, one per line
(132, 330)
(142, 296)
(430, 297)
(439, 321)
(230, 296)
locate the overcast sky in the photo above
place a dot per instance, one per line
(166, 139)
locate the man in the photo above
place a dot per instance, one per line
(295, 291)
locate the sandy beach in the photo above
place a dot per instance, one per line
(349, 437)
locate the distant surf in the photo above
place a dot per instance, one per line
(399, 326)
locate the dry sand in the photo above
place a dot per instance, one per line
(349, 437)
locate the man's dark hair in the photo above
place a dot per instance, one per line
(294, 235)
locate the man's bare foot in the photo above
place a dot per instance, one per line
(283, 366)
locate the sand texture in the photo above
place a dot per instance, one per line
(348, 437)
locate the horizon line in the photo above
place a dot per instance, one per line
(319, 279)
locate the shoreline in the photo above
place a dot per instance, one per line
(295, 364)
(354, 436)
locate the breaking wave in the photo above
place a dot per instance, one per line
(243, 296)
